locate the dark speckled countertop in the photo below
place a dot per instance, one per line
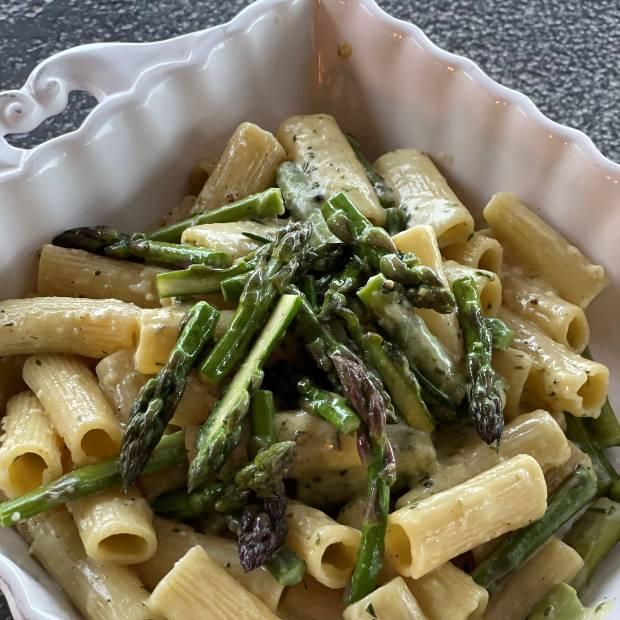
(565, 54)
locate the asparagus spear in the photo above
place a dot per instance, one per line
(486, 390)
(257, 206)
(375, 248)
(518, 546)
(562, 603)
(263, 476)
(88, 480)
(501, 335)
(397, 317)
(214, 440)
(578, 433)
(394, 369)
(384, 192)
(303, 202)
(270, 275)
(202, 280)
(262, 415)
(232, 287)
(110, 242)
(286, 566)
(327, 405)
(614, 491)
(593, 536)
(343, 283)
(605, 430)
(347, 371)
(160, 396)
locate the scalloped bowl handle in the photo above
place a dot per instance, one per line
(101, 69)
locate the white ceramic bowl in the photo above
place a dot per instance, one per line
(164, 105)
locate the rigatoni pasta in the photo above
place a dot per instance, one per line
(31, 450)
(425, 196)
(531, 299)
(115, 527)
(392, 600)
(78, 409)
(316, 143)
(559, 379)
(327, 547)
(515, 367)
(531, 242)
(99, 591)
(310, 600)
(247, 165)
(437, 529)
(197, 583)
(75, 273)
(479, 251)
(488, 284)
(88, 327)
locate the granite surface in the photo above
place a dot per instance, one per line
(565, 54)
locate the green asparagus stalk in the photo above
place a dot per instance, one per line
(593, 536)
(501, 335)
(286, 566)
(375, 248)
(328, 405)
(605, 430)
(486, 390)
(303, 202)
(202, 280)
(214, 439)
(232, 287)
(394, 369)
(614, 491)
(88, 480)
(158, 399)
(262, 415)
(397, 317)
(182, 505)
(270, 275)
(110, 242)
(263, 205)
(384, 192)
(262, 476)
(372, 545)
(518, 546)
(578, 433)
(562, 603)
(308, 286)
(342, 284)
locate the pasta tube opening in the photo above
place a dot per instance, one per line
(337, 558)
(491, 258)
(577, 332)
(98, 444)
(122, 544)
(597, 383)
(26, 472)
(400, 546)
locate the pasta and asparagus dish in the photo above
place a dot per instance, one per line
(315, 390)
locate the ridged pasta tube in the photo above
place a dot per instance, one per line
(507, 497)
(76, 405)
(115, 527)
(393, 600)
(316, 143)
(99, 591)
(310, 600)
(479, 251)
(529, 241)
(176, 539)
(75, 273)
(448, 592)
(247, 165)
(487, 283)
(425, 195)
(531, 299)
(88, 327)
(197, 583)
(31, 449)
(515, 367)
(559, 379)
(536, 434)
(327, 547)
